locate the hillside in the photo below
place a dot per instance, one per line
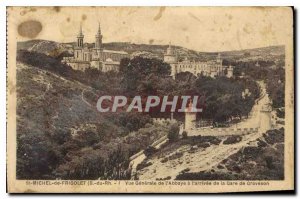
(147, 50)
(61, 134)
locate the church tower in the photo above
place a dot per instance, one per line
(98, 42)
(80, 37)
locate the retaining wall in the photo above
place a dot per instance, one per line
(221, 131)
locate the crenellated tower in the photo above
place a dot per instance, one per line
(190, 117)
(170, 57)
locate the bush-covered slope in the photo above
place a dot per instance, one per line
(60, 134)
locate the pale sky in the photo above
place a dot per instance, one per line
(206, 29)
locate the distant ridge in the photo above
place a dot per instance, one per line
(54, 49)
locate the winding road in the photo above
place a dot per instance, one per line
(202, 159)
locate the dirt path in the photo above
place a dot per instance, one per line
(82, 98)
(200, 160)
(204, 159)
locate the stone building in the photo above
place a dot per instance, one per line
(210, 68)
(96, 57)
(229, 72)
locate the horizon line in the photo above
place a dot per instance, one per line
(279, 45)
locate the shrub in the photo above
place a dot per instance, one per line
(143, 165)
(269, 162)
(215, 141)
(220, 166)
(166, 178)
(164, 160)
(185, 170)
(280, 113)
(175, 156)
(233, 139)
(173, 133)
(251, 152)
(274, 136)
(150, 150)
(261, 143)
(204, 145)
(184, 135)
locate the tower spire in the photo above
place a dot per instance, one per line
(98, 42)
(80, 31)
(99, 29)
(80, 37)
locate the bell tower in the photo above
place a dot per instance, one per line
(80, 37)
(98, 42)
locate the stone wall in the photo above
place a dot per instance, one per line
(221, 131)
(163, 120)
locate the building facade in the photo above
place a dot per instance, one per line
(210, 68)
(96, 57)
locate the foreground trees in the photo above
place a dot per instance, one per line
(173, 133)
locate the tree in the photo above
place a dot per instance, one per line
(150, 151)
(135, 70)
(173, 133)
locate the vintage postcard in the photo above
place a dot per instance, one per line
(150, 99)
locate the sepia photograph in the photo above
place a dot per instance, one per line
(150, 99)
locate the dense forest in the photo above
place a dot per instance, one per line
(51, 108)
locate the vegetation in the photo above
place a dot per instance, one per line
(143, 165)
(173, 133)
(184, 135)
(233, 139)
(150, 150)
(275, 87)
(270, 72)
(144, 76)
(87, 145)
(90, 145)
(262, 162)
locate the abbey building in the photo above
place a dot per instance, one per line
(96, 57)
(108, 60)
(211, 68)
